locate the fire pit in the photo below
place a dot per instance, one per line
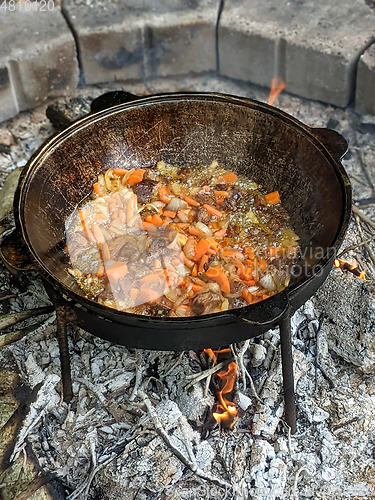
(142, 420)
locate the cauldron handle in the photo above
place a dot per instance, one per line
(334, 142)
(110, 99)
(15, 255)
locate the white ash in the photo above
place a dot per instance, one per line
(105, 441)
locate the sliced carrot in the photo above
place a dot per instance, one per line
(157, 220)
(201, 249)
(230, 252)
(220, 233)
(97, 189)
(246, 273)
(262, 264)
(212, 210)
(211, 251)
(112, 207)
(149, 277)
(121, 215)
(100, 216)
(120, 171)
(133, 293)
(169, 213)
(219, 200)
(190, 201)
(239, 263)
(197, 288)
(247, 296)
(163, 194)
(221, 194)
(117, 271)
(131, 208)
(136, 177)
(202, 263)
(106, 252)
(223, 282)
(194, 271)
(214, 271)
(182, 225)
(230, 177)
(249, 282)
(205, 188)
(98, 233)
(149, 295)
(200, 282)
(213, 244)
(187, 262)
(249, 252)
(100, 271)
(273, 198)
(150, 228)
(194, 231)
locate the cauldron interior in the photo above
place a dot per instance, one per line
(274, 151)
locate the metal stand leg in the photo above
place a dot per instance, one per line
(62, 315)
(288, 377)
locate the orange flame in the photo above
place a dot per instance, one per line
(227, 414)
(277, 86)
(351, 267)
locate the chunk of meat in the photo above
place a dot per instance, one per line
(206, 302)
(235, 193)
(143, 190)
(158, 247)
(151, 175)
(221, 187)
(159, 310)
(203, 216)
(127, 252)
(78, 244)
(259, 201)
(236, 286)
(206, 198)
(274, 224)
(229, 203)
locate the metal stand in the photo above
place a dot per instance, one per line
(62, 318)
(288, 377)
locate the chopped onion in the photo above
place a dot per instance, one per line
(176, 204)
(189, 248)
(204, 229)
(268, 282)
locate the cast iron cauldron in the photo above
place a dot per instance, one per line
(246, 136)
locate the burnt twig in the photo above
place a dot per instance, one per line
(244, 372)
(207, 373)
(11, 337)
(360, 232)
(34, 486)
(363, 216)
(166, 438)
(8, 320)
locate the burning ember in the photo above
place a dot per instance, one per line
(226, 414)
(350, 266)
(277, 86)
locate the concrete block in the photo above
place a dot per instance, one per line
(8, 101)
(181, 42)
(136, 40)
(314, 46)
(38, 59)
(365, 88)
